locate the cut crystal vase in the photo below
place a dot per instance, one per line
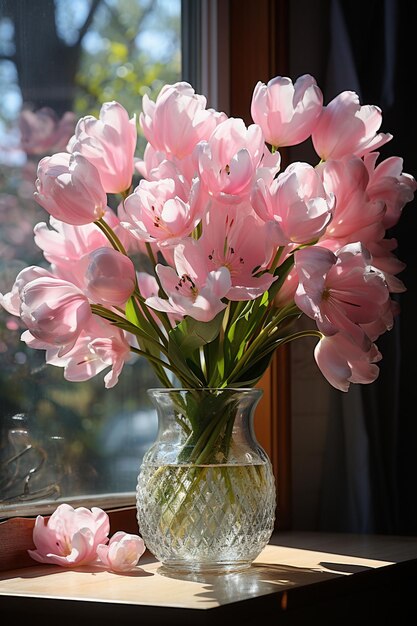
(206, 494)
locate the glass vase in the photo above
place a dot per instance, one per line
(206, 494)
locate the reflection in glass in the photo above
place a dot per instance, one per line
(59, 61)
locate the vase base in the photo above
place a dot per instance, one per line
(189, 567)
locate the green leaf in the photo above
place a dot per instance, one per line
(130, 311)
(191, 334)
(179, 362)
(197, 372)
(136, 316)
(243, 328)
(253, 373)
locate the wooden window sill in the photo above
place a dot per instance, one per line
(298, 576)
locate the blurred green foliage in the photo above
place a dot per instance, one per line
(136, 50)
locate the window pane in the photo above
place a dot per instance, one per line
(59, 61)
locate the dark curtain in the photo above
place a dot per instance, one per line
(370, 470)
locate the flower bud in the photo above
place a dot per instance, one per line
(110, 277)
(69, 188)
(287, 112)
(122, 553)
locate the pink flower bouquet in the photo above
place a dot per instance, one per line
(236, 247)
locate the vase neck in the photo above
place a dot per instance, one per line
(206, 425)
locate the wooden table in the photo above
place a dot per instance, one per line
(300, 578)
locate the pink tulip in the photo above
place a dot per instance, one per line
(99, 346)
(340, 291)
(156, 166)
(287, 112)
(163, 211)
(42, 131)
(357, 216)
(148, 285)
(296, 206)
(11, 301)
(69, 188)
(177, 120)
(110, 277)
(192, 288)
(54, 310)
(63, 246)
(342, 361)
(235, 238)
(109, 143)
(227, 162)
(346, 128)
(122, 553)
(148, 166)
(149, 288)
(70, 537)
(384, 259)
(390, 185)
(269, 166)
(384, 322)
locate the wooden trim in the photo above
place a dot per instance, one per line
(281, 434)
(15, 541)
(273, 430)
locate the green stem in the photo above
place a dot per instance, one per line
(277, 257)
(154, 264)
(163, 317)
(158, 363)
(121, 322)
(262, 337)
(111, 235)
(126, 193)
(300, 334)
(145, 317)
(270, 347)
(124, 324)
(205, 445)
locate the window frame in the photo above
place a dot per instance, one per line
(219, 65)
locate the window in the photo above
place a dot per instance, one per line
(60, 61)
(218, 65)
